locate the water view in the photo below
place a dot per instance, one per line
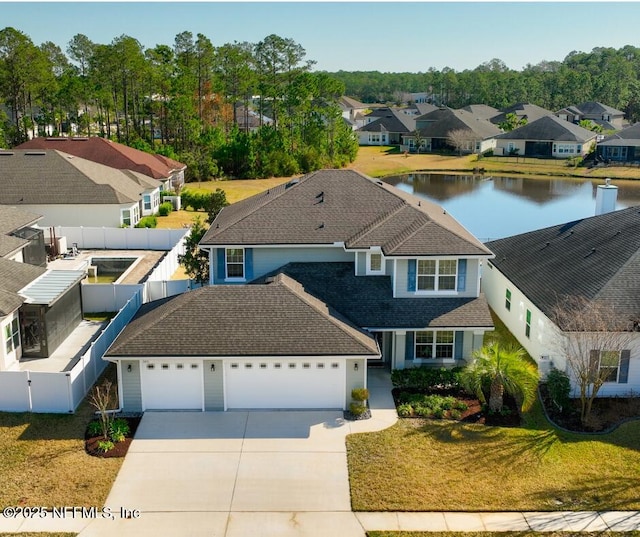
(494, 207)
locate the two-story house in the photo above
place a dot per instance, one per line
(390, 266)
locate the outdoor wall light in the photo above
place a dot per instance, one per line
(129, 368)
(355, 367)
(213, 367)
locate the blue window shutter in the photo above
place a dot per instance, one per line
(411, 281)
(623, 376)
(462, 274)
(409, 353)
(457, 351)
(221, 261)
(248, 264)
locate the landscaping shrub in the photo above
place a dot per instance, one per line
(357, 409)
(148, 221)
(94, 428)
(165, 208)
(426, 378)
(105, 445)
(119, 430)
(405, 410)
(559, 388)
(430, 406)
(360, 394)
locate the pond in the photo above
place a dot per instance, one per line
(492, 207)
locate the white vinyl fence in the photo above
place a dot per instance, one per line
(62, 392)
(113, 238)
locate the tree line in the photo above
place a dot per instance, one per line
(607, 75)
(190, 100)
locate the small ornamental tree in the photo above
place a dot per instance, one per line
(595, 341)
(194, 260)
(460, 138)
(103, 399)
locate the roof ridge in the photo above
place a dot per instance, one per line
(337, 319)
(633, 257)
(377, 222)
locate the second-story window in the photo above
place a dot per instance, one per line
(235, 262)
(437, 274)
(375, 263)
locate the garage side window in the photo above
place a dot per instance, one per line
(234, 258)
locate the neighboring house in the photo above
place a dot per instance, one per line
(250, 120)
(437, 127)
(607, 117)
(39, 308)
(353, 110)
(421, 97)
(121, 157)
(250, 346)
(483, 111)
(549, 137)
(596, 258)
(523, 111)
(387, 129)
(623, 146)
(72, 191)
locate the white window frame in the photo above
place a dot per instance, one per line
(12, 335)
(434, 346)
(227, 263)
(617, 367)
(374, 138)
(436, 276)
(147, 198)
(370, 270)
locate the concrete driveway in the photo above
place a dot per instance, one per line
(233, 474)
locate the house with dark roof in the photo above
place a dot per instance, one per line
(72, 191)
(606, 116)
(523, 111)
(119, 156)
(438, 129)
(547, 137)
(623, 146)
(310, 282)
(386, 128)
(596, 259)
(38, 307)
(271, 345)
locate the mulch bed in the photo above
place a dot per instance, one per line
(606, 414)
(475, 412)
(120, 448)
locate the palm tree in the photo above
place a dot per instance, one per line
(503, 368)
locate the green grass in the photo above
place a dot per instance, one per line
(501, 534)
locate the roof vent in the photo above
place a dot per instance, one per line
(380, 183)
(321, 226)
(35, 153)
(291, 183)
(6, 153)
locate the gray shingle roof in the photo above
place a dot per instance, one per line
(391, 121)
(483, 111)
(13, 277)
(332, 206)
(13, 219)
(626, 137)
(531, 112)
(54, 177)
(594, 258)
(593, 107)
(275, 319)
(441, 122)
(549, 128)
(368, 301)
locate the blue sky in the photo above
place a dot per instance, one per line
(354, 36)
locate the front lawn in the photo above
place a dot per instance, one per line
(423, 465)
(44, 464)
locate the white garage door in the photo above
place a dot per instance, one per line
(285, 384)
(172, 385)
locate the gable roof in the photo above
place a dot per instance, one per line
(11, 220)
(391, 121)
(441, 122)
(483, 111)
(348, 103)
(531, 112)
(596, 108)
(109, 153)
(277, 318)
(14, 276)
(369, 302)
(550, 128)
(343, 206)
(594, 258)
(54, 177)
(626, 137)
